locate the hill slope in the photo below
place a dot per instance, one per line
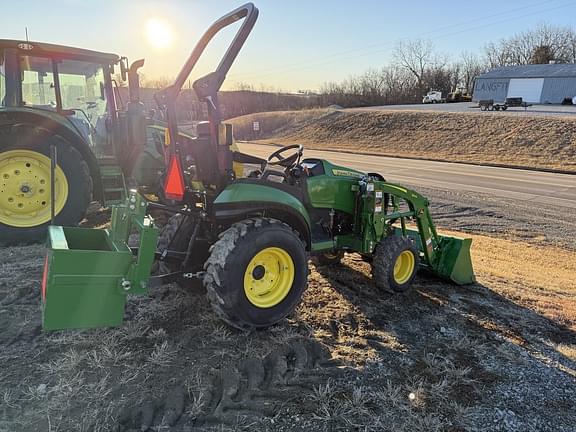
(482, 138)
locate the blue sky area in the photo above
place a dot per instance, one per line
(295, 45)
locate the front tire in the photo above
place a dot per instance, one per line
(395, 264)
(256, 273)
(25, 184)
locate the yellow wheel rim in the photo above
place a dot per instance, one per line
(404, 267)
(25, 188)
(268, 277)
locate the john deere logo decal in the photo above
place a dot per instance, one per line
(26, 46)
(346, 173)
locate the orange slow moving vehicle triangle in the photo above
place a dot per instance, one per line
(174, 186)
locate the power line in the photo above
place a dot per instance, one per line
(307, 65)
(380, 44)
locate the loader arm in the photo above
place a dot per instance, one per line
(446, 256)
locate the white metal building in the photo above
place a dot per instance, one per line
(543, 83)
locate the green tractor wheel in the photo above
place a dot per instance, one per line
(256, 273)
(395, 264)
(25, 184)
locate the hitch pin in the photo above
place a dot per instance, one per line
(197, 275)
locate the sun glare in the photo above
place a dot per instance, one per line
(159, 33)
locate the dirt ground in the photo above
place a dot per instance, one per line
(527, 141)
(499, 355)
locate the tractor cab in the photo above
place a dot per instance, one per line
(59, 91)
(71, 82)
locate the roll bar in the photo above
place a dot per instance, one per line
(247, 11)
(250, 13)
(207, 87)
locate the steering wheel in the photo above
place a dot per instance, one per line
(276, 158)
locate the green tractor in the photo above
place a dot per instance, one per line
(63, 102)
(247, 234)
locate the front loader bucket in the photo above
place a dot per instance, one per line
(89, 272)
(451, 258)
(454, 260)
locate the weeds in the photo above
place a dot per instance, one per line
(162, 355)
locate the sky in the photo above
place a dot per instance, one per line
(295, 45)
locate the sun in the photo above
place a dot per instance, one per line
(159, 34)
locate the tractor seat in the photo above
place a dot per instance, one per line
(312, 167)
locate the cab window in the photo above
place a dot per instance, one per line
(82, 88)
(37, 77)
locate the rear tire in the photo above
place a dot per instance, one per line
(166, 239)
(176, 237)
(256, 273)
(395, 264)
(33, 140)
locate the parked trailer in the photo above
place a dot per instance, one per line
(490, 105)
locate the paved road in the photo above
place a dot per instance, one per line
(530, 186)
(535, 110)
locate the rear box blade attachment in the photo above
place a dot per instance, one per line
(89, 272)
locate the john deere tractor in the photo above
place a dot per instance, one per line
(64, 102)
(246, 233)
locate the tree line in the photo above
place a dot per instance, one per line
(418, 67)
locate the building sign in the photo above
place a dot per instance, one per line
(487, 88)
(490, 86)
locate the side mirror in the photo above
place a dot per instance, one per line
(124, 68)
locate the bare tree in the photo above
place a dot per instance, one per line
(156, 83)
(542, 54)
(471, 66)
(416, 56)
(545, 42)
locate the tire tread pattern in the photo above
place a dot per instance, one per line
(215, 266)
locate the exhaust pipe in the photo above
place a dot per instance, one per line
(133, 80)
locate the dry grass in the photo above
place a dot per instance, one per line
(433, 359)
(272, 122)
(540, 278)
(567, 350)
(466, 137)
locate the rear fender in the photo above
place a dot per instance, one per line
(241, 200)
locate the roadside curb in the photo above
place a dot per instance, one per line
(486, 164)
